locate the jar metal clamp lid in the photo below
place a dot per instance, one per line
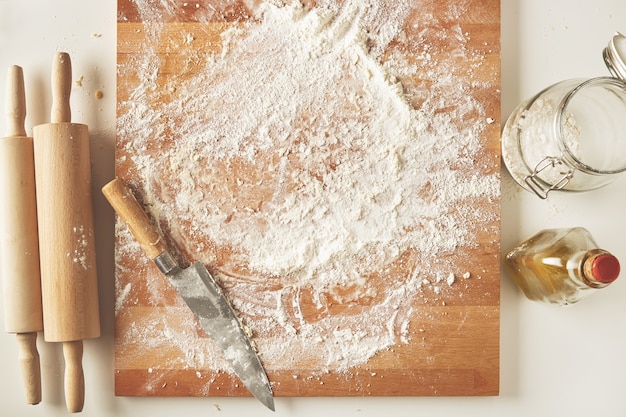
(615, 56)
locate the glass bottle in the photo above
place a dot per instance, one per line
(559, 266)
(570, 136)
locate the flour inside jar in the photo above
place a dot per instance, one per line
(302, 174)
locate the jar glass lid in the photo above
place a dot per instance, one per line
(615, 56)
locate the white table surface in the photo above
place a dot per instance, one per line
(554, 361)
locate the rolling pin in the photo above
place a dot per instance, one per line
(66, 233)
(19, 247)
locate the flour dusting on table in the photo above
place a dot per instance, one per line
(307, 167)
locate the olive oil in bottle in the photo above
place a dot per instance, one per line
(560, 266)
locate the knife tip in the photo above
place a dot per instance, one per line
(268, 401)
(271, 406)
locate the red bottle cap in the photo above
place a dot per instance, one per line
(605, 268)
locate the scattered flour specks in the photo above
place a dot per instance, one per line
(302, 148)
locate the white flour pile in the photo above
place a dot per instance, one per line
(297, 149)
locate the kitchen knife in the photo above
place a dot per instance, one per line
(199, 290)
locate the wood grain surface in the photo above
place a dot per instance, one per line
(453, 343)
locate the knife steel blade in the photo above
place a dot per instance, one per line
(200, 292)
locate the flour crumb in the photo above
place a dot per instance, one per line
(467, 275)
(120, 298)
(451, 278)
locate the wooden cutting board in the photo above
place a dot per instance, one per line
(438, 337)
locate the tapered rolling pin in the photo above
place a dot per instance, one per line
(19, 242)
(66, 233)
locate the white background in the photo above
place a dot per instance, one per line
(554, 361)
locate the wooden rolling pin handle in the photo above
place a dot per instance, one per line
(61, 88)
(130, 211)
(74, 376)
(28, 358)
(16, 102)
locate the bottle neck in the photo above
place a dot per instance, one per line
(598, 268)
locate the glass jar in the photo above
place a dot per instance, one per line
(560, 266)
(572, 135)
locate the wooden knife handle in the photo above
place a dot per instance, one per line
(74, 377)
(130, 211)
(16, 102)
(61, 88)
(28, 358)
